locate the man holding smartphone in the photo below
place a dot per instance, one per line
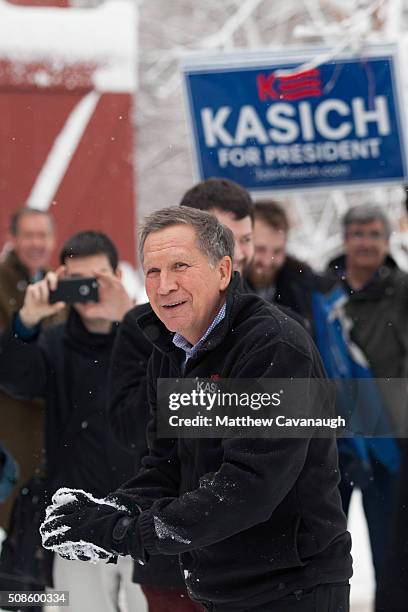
(67, 365)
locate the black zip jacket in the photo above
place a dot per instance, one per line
(295, 284)
(68, 367)
(128, 416)
(128, 407)
(252, 519)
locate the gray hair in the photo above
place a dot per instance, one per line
(364, 213)
(213, 239)
(25, 212)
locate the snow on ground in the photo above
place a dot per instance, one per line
(362, 584)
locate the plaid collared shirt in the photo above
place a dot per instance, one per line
(189, 350)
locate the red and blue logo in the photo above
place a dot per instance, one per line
(304, 85)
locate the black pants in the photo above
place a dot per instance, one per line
(322, 598)
(392, 590)
(379, 500)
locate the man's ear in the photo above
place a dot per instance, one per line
(225, 269)
(118, 273)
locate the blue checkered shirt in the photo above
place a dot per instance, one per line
(189, 350)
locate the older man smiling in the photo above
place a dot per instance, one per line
(257, 523)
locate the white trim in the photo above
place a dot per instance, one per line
(65, 145)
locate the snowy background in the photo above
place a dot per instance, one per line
(164, 33)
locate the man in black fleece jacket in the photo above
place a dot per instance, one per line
(128, 410)
(257, 523)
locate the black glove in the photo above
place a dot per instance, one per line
(78, 526)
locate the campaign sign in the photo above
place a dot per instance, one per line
(337, 124)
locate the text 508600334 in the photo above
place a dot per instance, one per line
(21, 599)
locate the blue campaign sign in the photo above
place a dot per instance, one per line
(261, 123)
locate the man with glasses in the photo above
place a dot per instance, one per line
(375, 307)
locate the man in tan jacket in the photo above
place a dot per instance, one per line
(32, 240)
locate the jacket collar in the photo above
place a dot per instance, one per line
(338, 264)
(159, 335)
(77, 335)
(379, 284)
(13, 261)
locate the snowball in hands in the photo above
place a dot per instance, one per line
(73, 522)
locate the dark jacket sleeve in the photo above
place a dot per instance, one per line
(128, 409)
(3, 316)
(253, 479)
(23, 365)
(159, 475)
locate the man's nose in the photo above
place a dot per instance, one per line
(167, 283)
(257, 258)
(262, 258)
(38, 242)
